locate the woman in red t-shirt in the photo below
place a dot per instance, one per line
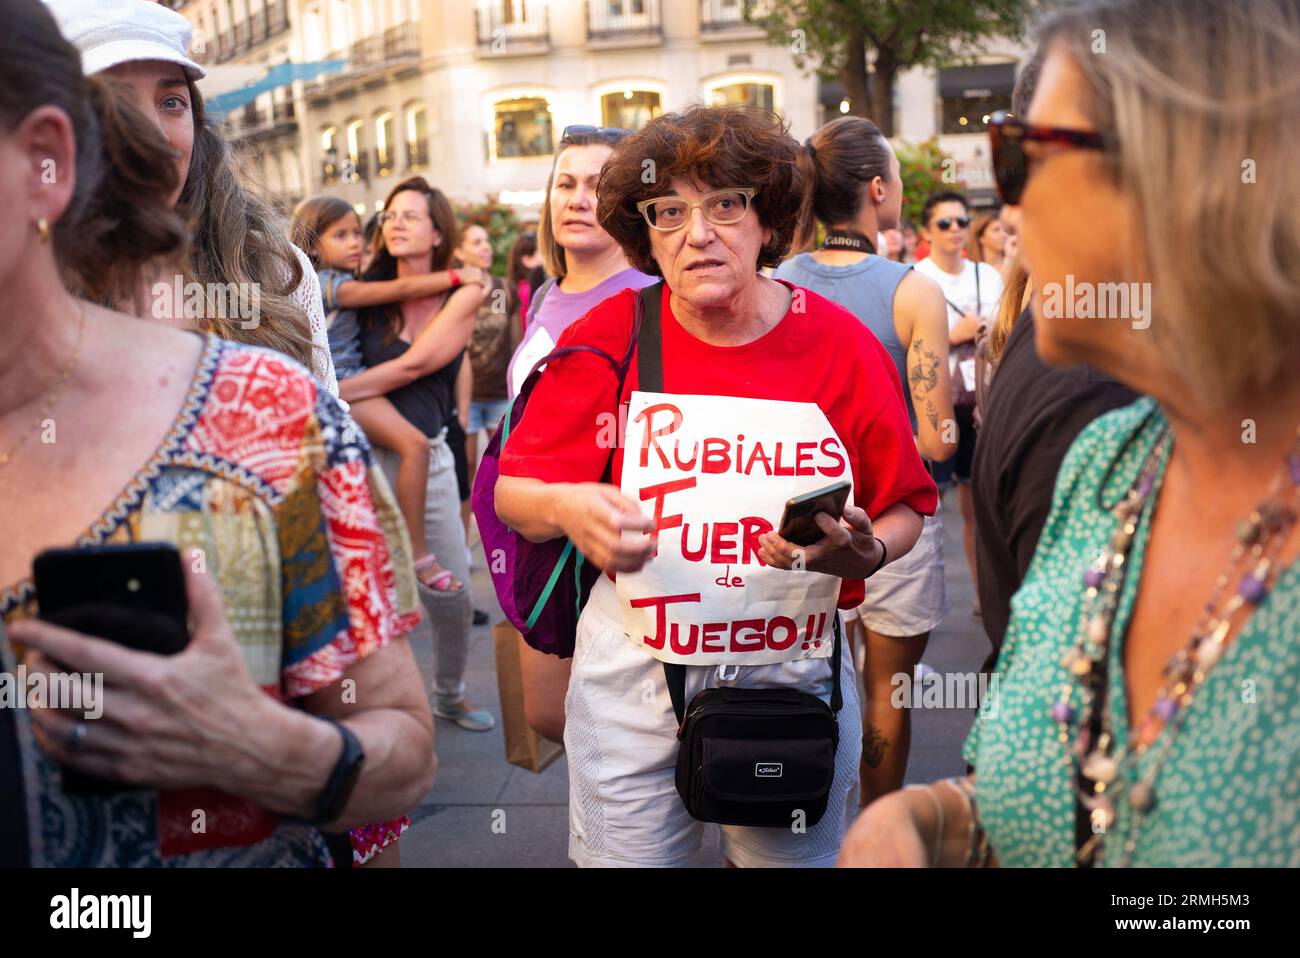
(768, 391)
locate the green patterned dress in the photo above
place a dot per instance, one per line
(1229, 790)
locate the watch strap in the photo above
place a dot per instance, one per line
(342, 778)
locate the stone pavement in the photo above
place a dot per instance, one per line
(476, 788)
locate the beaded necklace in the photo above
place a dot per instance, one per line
(1260, 538)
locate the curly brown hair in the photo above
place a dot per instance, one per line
(716, 146)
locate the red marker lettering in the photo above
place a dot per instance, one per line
(753, 527)
(723, 538)
(683, 649)
(661, 602)
(753, 642)
(694, 555)
(829, 445)
(803, 453)
(650, 437)
(712, 632)
(658, 492)
(791, 633)
(714, 458)
(781, 470)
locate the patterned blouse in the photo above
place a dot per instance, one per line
(1228, 794)
(267, 482)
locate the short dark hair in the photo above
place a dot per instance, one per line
(943, 196)
(720, 146)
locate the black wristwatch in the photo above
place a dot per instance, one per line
(343, 779)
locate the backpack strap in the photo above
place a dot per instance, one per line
(621, 370)
(535, 303)
(650, 378)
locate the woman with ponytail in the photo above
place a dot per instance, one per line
(240, 277)
(115, 431)
(855, 192)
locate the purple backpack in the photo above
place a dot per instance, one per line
(542, 586)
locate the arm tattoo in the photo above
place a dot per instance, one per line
(932, 413)
(924, 376)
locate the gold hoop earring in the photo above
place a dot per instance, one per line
(43, 229)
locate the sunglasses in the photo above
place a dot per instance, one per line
(609, 134)
(946, 223)
(1010, 161)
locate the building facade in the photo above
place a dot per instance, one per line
(474, 94)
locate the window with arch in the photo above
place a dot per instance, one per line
(629, 109)
(329, 152)
(757, 93)
(417, 136)
(356, 169)
(385, 144)
(522, 127)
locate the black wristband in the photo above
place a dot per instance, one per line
(884, 557)
(342, 779)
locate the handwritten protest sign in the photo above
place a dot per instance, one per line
(715, 473)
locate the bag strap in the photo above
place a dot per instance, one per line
(621, 369)
(675, 675)
(650, 378)
(535, 303)
(650, 341)
(15, 845)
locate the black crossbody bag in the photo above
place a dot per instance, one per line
(761, 757)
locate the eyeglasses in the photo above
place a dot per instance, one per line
(721, 208)
(1010, 161)
(946, 222)
(404, 218)
(609, 134)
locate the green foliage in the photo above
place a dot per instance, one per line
(921, 167)
(501, 223)
(895, 34)
(922, 32)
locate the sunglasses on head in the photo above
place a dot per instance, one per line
(1011, 163)
(946, 222)
(609, 134)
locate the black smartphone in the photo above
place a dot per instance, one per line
(132, 594)
(797, 522)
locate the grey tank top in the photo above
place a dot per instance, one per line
(865, 289)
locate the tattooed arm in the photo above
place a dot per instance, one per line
(921, 320)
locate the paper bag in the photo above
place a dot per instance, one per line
(524, 747)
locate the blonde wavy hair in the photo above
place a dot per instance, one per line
(1200, 97)
(240, 238)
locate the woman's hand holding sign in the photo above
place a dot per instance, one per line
(848, 549)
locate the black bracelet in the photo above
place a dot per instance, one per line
(884, 557)
(343, 777)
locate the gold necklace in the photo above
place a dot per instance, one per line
(52, 394)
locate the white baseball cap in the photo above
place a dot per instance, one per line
(109, 32)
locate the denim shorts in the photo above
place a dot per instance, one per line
(486, 414)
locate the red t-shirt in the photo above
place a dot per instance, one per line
(821, 354)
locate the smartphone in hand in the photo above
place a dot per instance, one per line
(131, 594)
(798, 524)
